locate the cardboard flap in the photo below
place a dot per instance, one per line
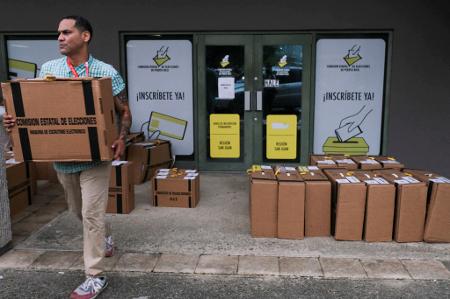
(263, 175)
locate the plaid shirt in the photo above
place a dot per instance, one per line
(97, 68)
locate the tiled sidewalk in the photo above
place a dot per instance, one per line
(233, 265)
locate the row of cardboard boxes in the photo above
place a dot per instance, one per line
(371, 205)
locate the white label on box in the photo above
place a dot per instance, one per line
(369, 161)
(266, 167)
(164, 170)
(345, 161)
(402, 182)
(444, 179)
(389, 162)
(313, 168)
(410, 179)
(437, 181)
(161, 177)
(331, 162)
(371, 182)
(118, 163)
(189, 177)
(192, 174)
(11, 161)
(288, 168)
(342, 181)
(352, 179)
(190, 170)
(381, 181)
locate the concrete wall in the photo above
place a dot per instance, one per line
(419, 130)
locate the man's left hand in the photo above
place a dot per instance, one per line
(118, 148)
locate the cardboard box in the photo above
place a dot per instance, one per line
(437, 224)
(19, 187)
(317, 202)
(323, 162)
(348, 205)
(291, 205)
(410, 205)
(176, 188)
(121, 188)
(389, 162)
(367, 162)
(380, 206)
(147, 157)
(263, 204)
(61, 120)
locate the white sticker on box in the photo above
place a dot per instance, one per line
(266, 167)
(345, 161)
(342, 181)
(189, 177)
(190, 171)
(164, 170)
(389, 162)
(313, 168)
(444, 179)
(288, 168)
(410, 179)
(381, 181)
(402, 182)
(437, 181)
(371, 182)
(11, 161)
(352, 179)
(192, 174)
(330, 162)
(161, 177)
(369, 161)
(118, 163)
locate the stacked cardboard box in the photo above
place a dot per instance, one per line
(19, 187)
(380, 203)
(53, 116)
(333, 161)
(121, 188)
(348, 204)
(437, 225)
(410, 205)
(291, 204)
(367, 162)
(317, 202)
(263, 203)
(389, 162)
(147, 157)
(176, 188)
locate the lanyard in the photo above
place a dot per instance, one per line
(74, 72)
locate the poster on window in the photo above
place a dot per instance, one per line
(160, 91)
(25, 57)
(349, 96)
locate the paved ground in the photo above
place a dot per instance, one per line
(211, 243)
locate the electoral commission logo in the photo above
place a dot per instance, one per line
(160, 60)
(352, 61)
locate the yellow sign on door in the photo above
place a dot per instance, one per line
(224, 135)
(281, 138)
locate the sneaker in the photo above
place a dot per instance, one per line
(109, 246)
(90, 288)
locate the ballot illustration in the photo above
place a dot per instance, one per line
(167, 125)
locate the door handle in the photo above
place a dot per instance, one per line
(247, 101)
(259, 104)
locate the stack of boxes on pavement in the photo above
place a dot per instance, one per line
(352, 198)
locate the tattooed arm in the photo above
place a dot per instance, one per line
(121, 104)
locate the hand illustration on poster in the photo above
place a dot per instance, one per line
(350, 126)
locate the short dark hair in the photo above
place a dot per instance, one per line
(81, 24)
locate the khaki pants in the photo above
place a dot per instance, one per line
(87, 196)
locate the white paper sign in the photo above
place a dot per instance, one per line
(349, 92)
(226, 88)
(160, 82)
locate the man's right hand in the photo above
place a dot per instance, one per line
(8, 122)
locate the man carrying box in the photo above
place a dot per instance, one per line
(86, 183)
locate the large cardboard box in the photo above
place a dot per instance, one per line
(367, 163)
(323, 162)
(348, 205)
(437, 224)
(291, 204)
(147, 157)
(410, 205)
(176, 188)
(317, 202)
(263, 203)
(380, 206)
(19, 187)
(121, 188)
(389, 162)
(61, 120)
